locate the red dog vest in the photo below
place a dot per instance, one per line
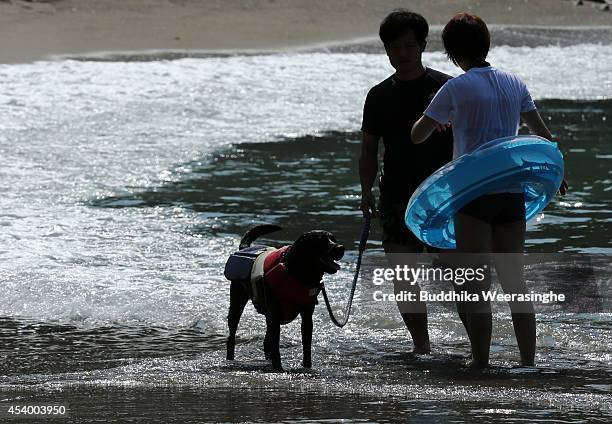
(291, 294)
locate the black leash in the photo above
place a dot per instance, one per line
(365, 231)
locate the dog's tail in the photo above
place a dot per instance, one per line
(256, 232)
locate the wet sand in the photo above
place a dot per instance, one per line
(32, 30)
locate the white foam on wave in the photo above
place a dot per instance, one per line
(133, 119)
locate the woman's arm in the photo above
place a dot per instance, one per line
(536, 124)
(538, 127)
(424, 127)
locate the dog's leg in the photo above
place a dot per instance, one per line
(273, 336)
(238, 300)
(266, 346)
(272, 339)
(306, 316)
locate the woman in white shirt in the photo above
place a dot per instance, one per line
(484, 104)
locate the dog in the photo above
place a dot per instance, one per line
(282, 283)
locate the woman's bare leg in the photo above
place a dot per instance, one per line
(509, 245)
(474, 238)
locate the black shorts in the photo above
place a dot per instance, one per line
(498, 208)
(394, 228)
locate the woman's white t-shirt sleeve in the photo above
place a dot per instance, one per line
(441, 107)
(527, 104)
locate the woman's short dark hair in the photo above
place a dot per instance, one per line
(466, 36)
(400, 21)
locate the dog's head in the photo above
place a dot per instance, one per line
(313, 254)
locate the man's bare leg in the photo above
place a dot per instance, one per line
(414, 314)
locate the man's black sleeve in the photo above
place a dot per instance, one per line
(371, 122)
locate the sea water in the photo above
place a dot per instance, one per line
(126, 183)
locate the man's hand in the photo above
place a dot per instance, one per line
(368, 204)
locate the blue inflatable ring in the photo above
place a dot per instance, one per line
(530, 163)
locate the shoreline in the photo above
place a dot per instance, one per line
(39, 30)
(502, 35)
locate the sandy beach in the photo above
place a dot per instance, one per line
(32, 30)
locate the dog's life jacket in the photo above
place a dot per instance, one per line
(267, 267)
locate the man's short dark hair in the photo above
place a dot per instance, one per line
(400, 21)
(466, 37)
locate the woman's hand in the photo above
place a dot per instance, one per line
(424, 127)
(442, 127)
(563, 188)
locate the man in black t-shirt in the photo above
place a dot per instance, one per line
(391, 108)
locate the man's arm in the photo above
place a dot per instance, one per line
(368, 168)
(424, 127)
(537, 126)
